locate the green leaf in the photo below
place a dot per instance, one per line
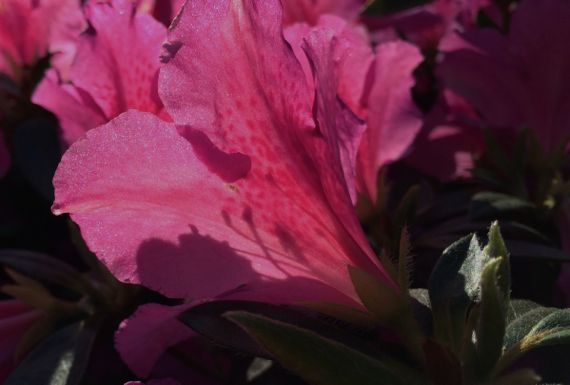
(391, 308)
(490, 329)
(554, 329)
(207, 319)
(60, 360)
(496, 249)
(491, 205)
(380, 7)
(521, 326)
(518, 308)
(383, 301)
(321, 361)
(453, 286)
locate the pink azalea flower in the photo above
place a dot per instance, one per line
(450, 140)
(249, 194)
(520, 80)
(376, 87)
(124, 46)
(426, 25)
(15, 320)
(309, 11)
(29, 29)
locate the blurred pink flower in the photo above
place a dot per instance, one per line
(449, 141)
(309, 11)
(426, 25)
(249, 195)
(15, 320)
(520, 80)
(29, 29)
(124, 46)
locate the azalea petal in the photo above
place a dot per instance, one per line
(152, 211)
(124, 46)
(76, 110)
(68, 22)
(393, 119)
(309, 11)
(143, 338)
(28, 28)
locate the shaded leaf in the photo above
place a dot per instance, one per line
(491, 205)
(207, 320)
(60, 360)
(319, 360)
(453, 286)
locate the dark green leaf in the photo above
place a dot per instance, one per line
(319, 360)
(491, 205)
(490, 329)
(380, 7)
(207, 320)
(522, 325)
(453, 286)
(518, 308)
(60, 360)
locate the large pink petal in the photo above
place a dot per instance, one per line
(15, 320)
(309, 11)
(124, 46)
(249, 95)
(393, 119)
(144, 337)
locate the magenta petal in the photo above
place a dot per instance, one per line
(75, 109)
(124, 46)
(144, 337)
(309, 11)
(393, 119)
